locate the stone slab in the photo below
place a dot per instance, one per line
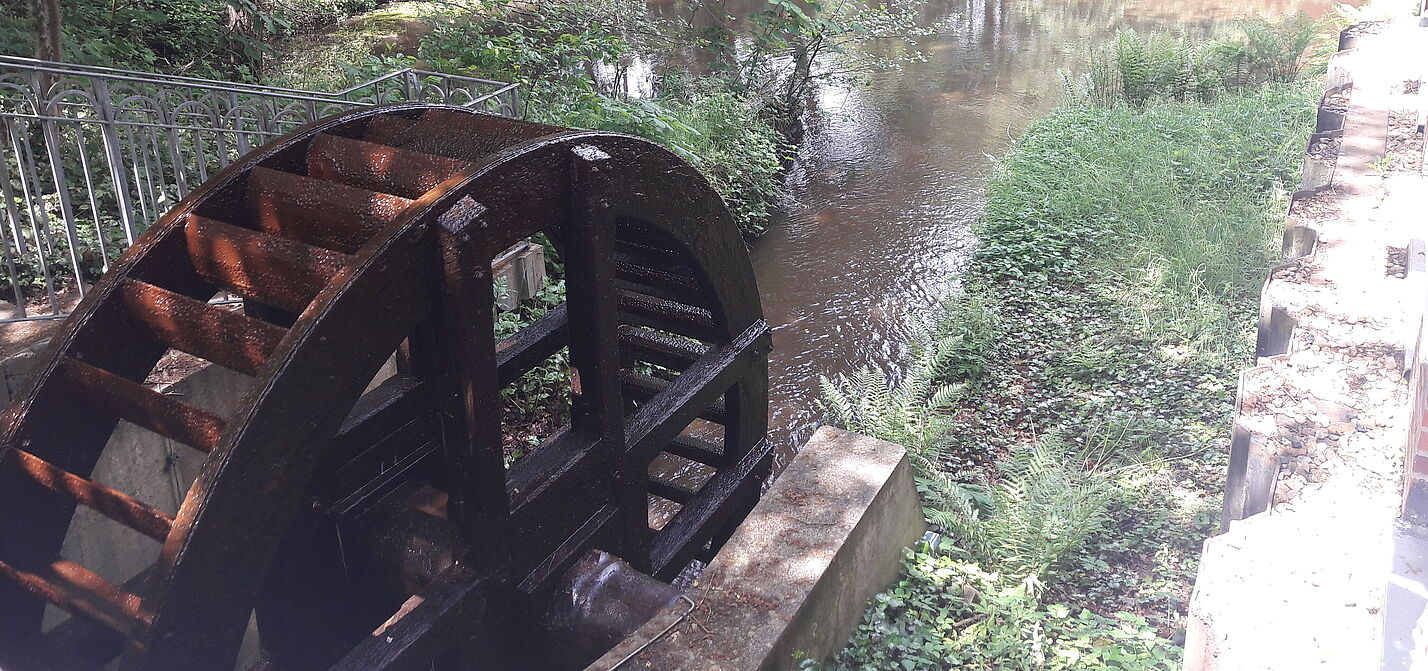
(795, 578)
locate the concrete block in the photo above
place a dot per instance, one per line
(521, 268)
(795, 578)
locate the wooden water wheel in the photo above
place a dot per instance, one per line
(356, 237)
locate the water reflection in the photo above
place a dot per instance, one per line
(876, 227)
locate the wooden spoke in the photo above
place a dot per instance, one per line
(318, 212)
(109, 502)
(378, 167)
(225, 337)
(266, 268)
(79, 591)
(160, 413)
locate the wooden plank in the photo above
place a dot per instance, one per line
(372, 464)
(532, 345)
(671, 489)
(696, 450)
(597, 403)
(109, 502)
(378, 167)
(92, 640)
(557, 562)
(225, 337)
(466, 136)
(466, 359)
(657, 422)
(643, 388)
(666, 315)
(661, 282)
(318, 212)
(423, 630)
(266, 268)
(81, 592)
(703, 516)
(382, 128)
(161, 413)
(659, 348)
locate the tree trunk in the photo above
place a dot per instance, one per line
(49, 45)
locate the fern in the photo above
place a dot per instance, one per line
(1140, 69)
(1049, 500)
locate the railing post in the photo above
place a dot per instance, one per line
(233, 114)
(114, 155)
(14, 243)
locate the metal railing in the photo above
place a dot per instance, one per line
(90, 156)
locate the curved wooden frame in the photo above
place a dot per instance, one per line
(396, 267)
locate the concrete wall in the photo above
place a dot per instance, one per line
(1415, 486)
(796, 577)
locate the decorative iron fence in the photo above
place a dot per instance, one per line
(90, 156)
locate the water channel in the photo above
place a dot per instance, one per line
(877, 223)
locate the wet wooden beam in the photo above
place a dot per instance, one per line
(731, 491)
(532, 345)
(81, 592)
(316, 211)
(161, 413)
(105, 500)
(225, 337)
(658, 421)
(266, 268)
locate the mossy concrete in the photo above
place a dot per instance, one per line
(795, 578)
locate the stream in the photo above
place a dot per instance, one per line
(877, 223)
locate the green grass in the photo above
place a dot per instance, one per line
(1069, 414)
(1164, 208)
(332, 59)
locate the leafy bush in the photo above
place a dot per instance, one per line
(554, 49)
(210, 38)
(948, 613)
(715, 131)
(1138, 69)
(307, 15)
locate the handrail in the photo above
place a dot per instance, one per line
(22, 63)
(303, 95)
(90, 154)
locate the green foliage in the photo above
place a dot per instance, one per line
(947, 613)
(908, 413)
(542, 46)
(554, 49)
(212, 38)
(1042, 511)
(551, 379)
(715, 131)
(786, 48)
(307, 15)
(1170, 200)
(1139, 69)
(221, 39)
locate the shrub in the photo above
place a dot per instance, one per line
(1138, 69)
(1105, 314)
(948, 613)
(554, 49)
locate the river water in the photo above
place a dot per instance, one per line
(876, 227)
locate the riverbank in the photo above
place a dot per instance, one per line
(1068, 412)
